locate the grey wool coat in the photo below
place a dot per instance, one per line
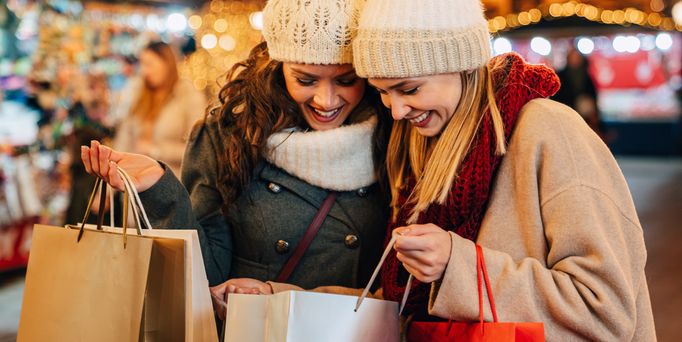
(261, 229)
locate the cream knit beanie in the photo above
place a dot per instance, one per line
(311, 31)
(411, 38)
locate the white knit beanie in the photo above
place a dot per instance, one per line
(411, 38)
(311, 31)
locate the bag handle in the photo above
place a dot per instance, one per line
(365, 292)
(480, 269)
(307, 239)
(134, 201)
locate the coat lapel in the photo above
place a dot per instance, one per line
(311, 194)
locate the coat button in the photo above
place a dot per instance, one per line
(362, 192)
(274, 188)
(282, 247)
(352, 241)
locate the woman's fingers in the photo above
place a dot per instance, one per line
(412, 243)
(115, 179)
(104, 153)
(85, 157)
(94, 157)
(422, 272)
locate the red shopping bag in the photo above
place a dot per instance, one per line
(477, 331)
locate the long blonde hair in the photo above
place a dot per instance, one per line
(435, 161)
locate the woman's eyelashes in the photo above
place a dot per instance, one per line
(307, 82)
(347, 82)
(410, 91)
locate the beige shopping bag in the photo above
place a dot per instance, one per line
(87, 290)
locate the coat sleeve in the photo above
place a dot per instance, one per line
(587, 290)
(197, 204)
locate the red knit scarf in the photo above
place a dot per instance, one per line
(467, 201)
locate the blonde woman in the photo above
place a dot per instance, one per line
(477, 154)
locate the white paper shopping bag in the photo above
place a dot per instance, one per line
(310, 316)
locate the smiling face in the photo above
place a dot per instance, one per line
(427, 102)
(325, 94)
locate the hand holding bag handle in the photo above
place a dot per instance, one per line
(481, 270)
(130, 195)
(374, 276)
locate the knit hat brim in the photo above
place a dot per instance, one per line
(412, 53)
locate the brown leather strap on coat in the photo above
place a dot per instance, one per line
(307, 239)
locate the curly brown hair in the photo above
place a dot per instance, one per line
(255, 104)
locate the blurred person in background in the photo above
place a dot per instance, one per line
(578, 91)
(84, 119)
(165, 108)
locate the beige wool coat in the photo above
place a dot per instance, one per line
(561, 238)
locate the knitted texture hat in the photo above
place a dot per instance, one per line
(411, 38)
(311, 31)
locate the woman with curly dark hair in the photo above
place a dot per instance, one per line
(296, 129)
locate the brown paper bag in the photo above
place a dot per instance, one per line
(157, 279)
(87, 290)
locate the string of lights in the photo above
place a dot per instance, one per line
(624, 17)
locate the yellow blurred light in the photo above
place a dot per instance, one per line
(200, 84)
(491, 26)
(524, 18)
(220, 25)
(194, 22)
(555, 10)
(654, 19)
(657, 5)
(216, 6)
(512, 21)
(640, 18)
(209, 19)
(607, 16)
(590, 12)
(500, 23)
(618, 17)
(568, 9)
(668, 24)
(227, 42)
(535, 15)
(580, 9)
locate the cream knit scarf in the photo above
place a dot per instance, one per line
(337, 159)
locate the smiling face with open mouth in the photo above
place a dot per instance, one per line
(325, 94)
(427, 102)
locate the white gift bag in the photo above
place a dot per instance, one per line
(298, 316)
